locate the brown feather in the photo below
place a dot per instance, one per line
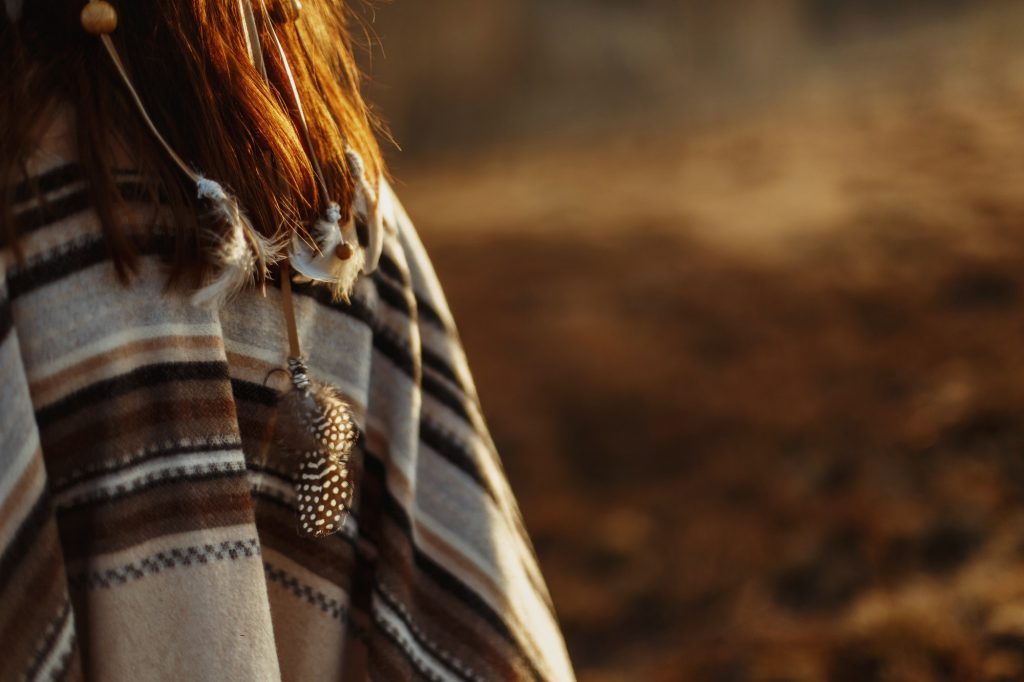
(316, 427)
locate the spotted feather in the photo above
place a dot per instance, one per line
(316, 427)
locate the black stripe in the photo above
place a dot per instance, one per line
(439, 365)
(448, 446)
(392, 295)
(6, 319)
(427, 311)
(253, 393)
(446, 397)
(50, 181)
(391, 269)
(147, 376)
(166, 479)
(52, 211)
(395, 350)
(72, 258)
(69, 260)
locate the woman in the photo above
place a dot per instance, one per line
(211, 307)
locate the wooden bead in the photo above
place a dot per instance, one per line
(99, 17)
(285, 11)
(343, 251)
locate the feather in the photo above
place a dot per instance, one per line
(315, 426)
(242, 255)
(320, 262)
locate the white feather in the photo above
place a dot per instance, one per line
(242, 254)
(320, 264)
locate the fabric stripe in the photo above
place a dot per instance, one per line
(144, 377)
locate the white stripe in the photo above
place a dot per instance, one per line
(136, 476)
(61, 648)
(423, 659)
(113, 341)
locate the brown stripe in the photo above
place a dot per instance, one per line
(256, 426)
(70, 378)
(128, 521)
(355, 655)
(18, 500)
(386, 661)
(133, 423)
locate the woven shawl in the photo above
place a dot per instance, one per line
(148, 524)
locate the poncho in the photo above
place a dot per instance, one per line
(148, 522)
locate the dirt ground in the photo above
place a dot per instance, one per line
(758, 381)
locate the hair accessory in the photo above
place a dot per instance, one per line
(99, 18)
(243, 251)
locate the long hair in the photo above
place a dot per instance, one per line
(189, 62)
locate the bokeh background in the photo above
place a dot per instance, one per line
(742, 284)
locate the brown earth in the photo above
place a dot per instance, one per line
(759, 382)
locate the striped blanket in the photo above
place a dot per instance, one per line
(148, 524)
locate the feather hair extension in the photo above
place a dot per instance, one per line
(320, 261)
(242, 254)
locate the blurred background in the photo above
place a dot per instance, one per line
(742, 284)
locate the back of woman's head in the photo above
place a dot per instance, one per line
(189, 62)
